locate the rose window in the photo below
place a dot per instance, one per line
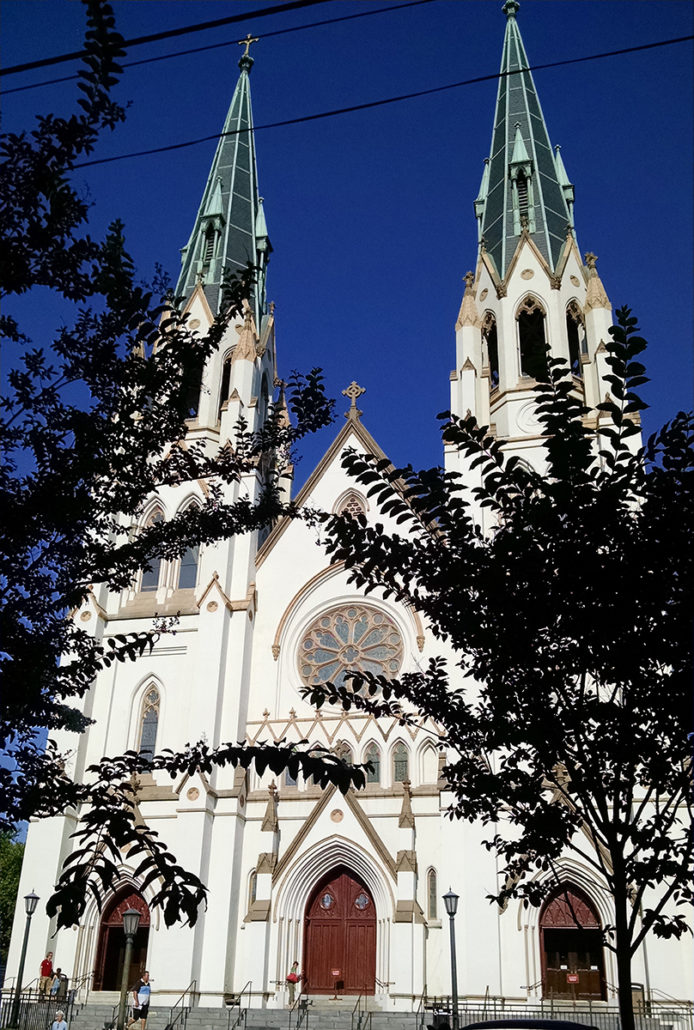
(351, 638)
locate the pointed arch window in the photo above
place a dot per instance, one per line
(532, 340)
(576, 335)
(491, 340)
(373, 755)
(224, 390)
(188, 571)
(152, 574)
(432, 895)
(401, 764)
(344, 751)
(252, 888)
(149, 723)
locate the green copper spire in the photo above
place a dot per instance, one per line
(229, 229)
(524, 187)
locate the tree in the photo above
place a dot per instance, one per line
(92, 424)
(568, 720)
(11, 855)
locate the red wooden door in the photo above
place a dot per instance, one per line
(340, 933)
(110, 954)
(572, 955)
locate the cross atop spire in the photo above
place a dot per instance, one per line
(353, 391)
(246, 62)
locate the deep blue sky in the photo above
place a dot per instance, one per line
(370, 214)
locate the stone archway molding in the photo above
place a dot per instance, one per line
(303, 874)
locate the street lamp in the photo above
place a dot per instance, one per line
(30, 903)
(450, 900)
(131, 921)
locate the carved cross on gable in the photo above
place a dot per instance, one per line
(353, 391)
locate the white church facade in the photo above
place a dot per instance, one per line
(296, 873)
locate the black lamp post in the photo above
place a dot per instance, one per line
(131, 921)
(30, 903)
(450, 900)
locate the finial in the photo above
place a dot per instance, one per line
(246, 62)
(590, 259)
(510, 8)
(353, 391)
(469, 280)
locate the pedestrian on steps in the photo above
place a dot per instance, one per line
(293, 979)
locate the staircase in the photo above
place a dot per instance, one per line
(322, 1016)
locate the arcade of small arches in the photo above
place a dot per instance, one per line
(399, 764)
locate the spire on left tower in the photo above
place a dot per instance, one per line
(230, 229)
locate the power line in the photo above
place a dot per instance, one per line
(382, 103)
(230, 42)
(262, 12)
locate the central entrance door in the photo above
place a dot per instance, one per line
(340, 934)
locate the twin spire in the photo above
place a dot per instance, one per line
(230, 229)
(524, 186)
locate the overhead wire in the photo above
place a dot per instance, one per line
(262, 12)
(384, 101)
(366, 13)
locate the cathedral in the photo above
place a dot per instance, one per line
(349, 887)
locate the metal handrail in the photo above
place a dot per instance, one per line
(236, 1000)
(184, 1009)
(301, 1009)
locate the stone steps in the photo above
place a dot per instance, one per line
(322, 1016)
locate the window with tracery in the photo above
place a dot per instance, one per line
(533, 343)
(576, 334)
(350, 638)
(490, 337)
(401, 763)
(152, 574)
(352, 504)
(432, 895)
(149, 723)
(373, 755)
(344, 751)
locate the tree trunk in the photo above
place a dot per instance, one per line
(623, 943)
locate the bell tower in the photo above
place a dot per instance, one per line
(530, 289)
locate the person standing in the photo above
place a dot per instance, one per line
(59, 1021)
(46, 975)
(141, 995)
(293, 979)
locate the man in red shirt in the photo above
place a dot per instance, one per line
(46, 975)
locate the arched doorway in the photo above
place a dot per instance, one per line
(571, 942)
(110, 952)
(340, 934)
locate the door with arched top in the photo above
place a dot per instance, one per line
(572, 950)
(340, 934)
(110, 952)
